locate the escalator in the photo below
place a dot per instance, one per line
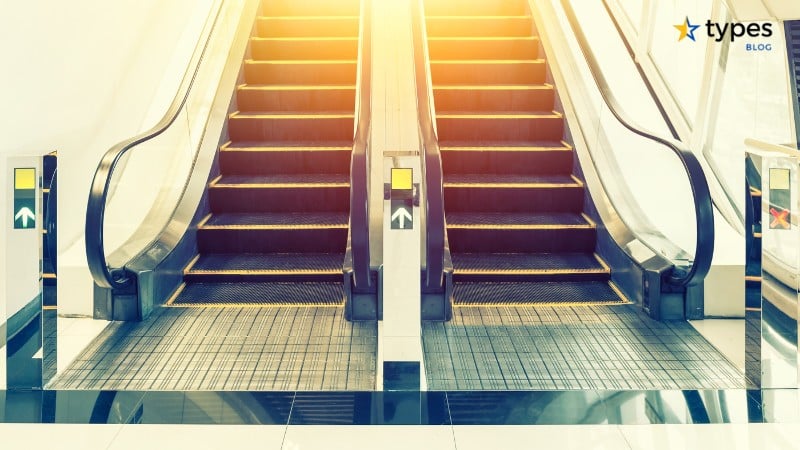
(278, 225)
(514, 202)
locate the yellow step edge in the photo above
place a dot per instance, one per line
(175, 295)
(564, 147)
(483, 38)
(263, 17)
(50, 307)
(262, 272)
(49, 276)
(309, 116)
(531, 272)
(520, 116)
(512, 185)
(252, 305)
(520, 227)
(353, 39)
(502, 16)
(493, 87)
(752, 278)
(226, 147)
(278, 185)
(301, 61)
(292, 226)
(296, 87)
(191, 263)
(757, 235)
(486, 61)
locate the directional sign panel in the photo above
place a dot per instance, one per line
(780, 199)
(402, 198)
(24, 198)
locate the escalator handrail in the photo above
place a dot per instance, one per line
(704, 212)
(431, 161)
(101, 183)
(359, 162)
(51, 224)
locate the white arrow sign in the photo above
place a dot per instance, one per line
(401, 215)
(25, 214)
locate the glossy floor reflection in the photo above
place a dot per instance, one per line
(401, 408)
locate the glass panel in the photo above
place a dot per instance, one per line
(656, 204)
(680, 63)
(752, 102)
(633, 11)
(148, 184)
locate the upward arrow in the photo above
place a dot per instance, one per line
(401, 215)
(25, 214)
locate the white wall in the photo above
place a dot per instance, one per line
(79, 77)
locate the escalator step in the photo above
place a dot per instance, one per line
(530, 71)
(260, 294)
(543, 158)
(280, 193)
(476, 8)
(489, 99)
(512, 193)
(331, 126)
(525, 262)
(514, 126)
(464, 26)
(535, 293)
(308, 26)
(311, 8)
(502, 47)
(304, 48)
(301, 72)
(253, 158)
(250, 267)
(297, 98)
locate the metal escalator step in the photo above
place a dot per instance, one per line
(539, 267)
(511, 180)
(516, 220)
(308, 26)
(277, 220)
(259, 294)
(279, 180)
(268, 262)
(464, 26)
(469, 263)
(537, 293)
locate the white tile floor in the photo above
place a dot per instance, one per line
(74, 334)
(727, 335)
(226, 437)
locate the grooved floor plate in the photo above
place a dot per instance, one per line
(535, 293)
(261, 294)
(311, 262)
(582, 347)
(261, 349)
(457, 219)
(505, 262)
(279, 218)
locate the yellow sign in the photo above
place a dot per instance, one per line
(24, 178)
(401, 179)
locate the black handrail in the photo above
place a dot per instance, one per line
(704, 212)
(98, 194)
(51, 224)
(431, 161)
(359, 163)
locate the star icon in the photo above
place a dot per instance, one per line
(686, 29)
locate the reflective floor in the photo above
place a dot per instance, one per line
(576, 347)
(400, 408)
(261, 349)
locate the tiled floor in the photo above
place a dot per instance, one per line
(600, 437)
(232, 349)
(585, 347)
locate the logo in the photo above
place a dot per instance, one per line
(687, 30)
(730, 31)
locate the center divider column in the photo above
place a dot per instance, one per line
(394, 143)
